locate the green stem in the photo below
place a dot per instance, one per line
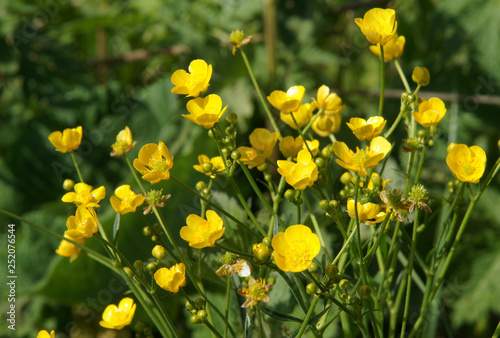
(382, 82)
(228, 302)
(259, 93)
(308, 316)
(261, 325)
(134, 173)
(402, 75)
(76, 166)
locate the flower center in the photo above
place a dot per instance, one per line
(159, 166)
(468, 168)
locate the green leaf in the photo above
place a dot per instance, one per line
(280, 316)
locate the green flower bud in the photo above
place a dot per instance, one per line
(232, 117)
(194, 319)
(364, 291)
(346, 178)
(159, 252)
(200, 303)
(290, 194)
(312, 267)
(332, 271)
(344, 284)
(200, 185)
(202, 315)
(189, 306)
(320, 163)
(68, 184)
(323, 204)
(235, 155)
(147, 231)
(311, 288)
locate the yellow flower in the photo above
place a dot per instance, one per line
(263, 142)
(301, 116)
(368, 213)
(68, 140)
(327, 123)
(171, 279)
(287, 102)
(466, 164)
(194, 82)
(290, 146)
(255, 292)
(202, 233)
(328, 101)
(217, 164)
(82, 224)
(205, 111)
(392, 50)
(85, 196)
(421, 76)
(154, 162)
(430, 112)
(124, 143)
(125, 200)
(374, 178)
(313, 146)
(295, 248)
(362, 159)
(378, 25)
(367, 129)
(302, 174)
(117, 317)
(67, 249)
(45, 334)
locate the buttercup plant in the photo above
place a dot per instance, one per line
(315, 221)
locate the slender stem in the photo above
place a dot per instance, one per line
(382, 82)
(228, 303)
(134, 173)
(402, 112)
(308, 316)
(261, 325)
(402, 75)
(259, 92)
(496, 334)
(80, 177)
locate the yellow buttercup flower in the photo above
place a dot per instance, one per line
(202, 233)
(302, 174)
(255, 292)
(287, 102)
(302, 116)
(368, 213)
(68, 140)
(362, 159)
(367, 129)
(217, 164)
(126, 200)
(171, 279)
(194, 82)
(45, 334)
(124, 143)
(430, 112)
(117, 317)
(67, 249)
(82, 224)
(392, 50)
(295, 248)
(327, 123)
(154, 162)
(330, 102)
(378, 25)
(466, 164)
(290, 146)
(85, 196)
(263, 142)
(313, 146)
(205, 111)
(421, 76)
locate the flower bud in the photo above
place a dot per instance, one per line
(344, 284)
(232, 117)
(346, 178)
(194, 319)
(323, 204)
(152, 267)
(290, 194)
(202, 315)
(266, 241)
(236, 36)
(68, 184)
(312, 267)
(147, 231)
(364, 291)
(159, 252)
(128, 271)
(332, 271)
(311, 288)
(189, 306)
(235, 155)
(200, 185)
(138, 265)
(261, 252)
(200, 303)
(421, 76)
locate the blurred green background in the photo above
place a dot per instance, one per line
(107, 64)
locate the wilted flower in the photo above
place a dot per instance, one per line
(117, 317)
(466, 164)
(368, 213)
(202, 233)
(302, 116)
(395, 202)
(367, 129)
(126, 200)
(362, 159)
(287, 102)
(295, 248)
(85, 196)
(378, 25)
(155, 198)
(417, 196)
(82, 224)
(171, 279)
(194, 82)
(421, 76)
(238, 39)
(154, 162)
(124, 143)
(263, 142)
(392, 50)
(430, 112)
(67, 249)
(255, 292)
(302, 174)
(205, 111)
(231, 263)
(68, 140)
